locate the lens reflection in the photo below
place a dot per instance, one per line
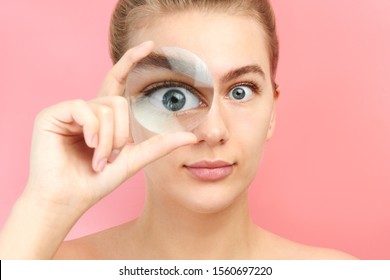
(170, 90)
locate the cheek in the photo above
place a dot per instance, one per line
(160, 169)
(165, 176)
(250, 124)
(248, 131)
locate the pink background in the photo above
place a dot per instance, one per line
(325, 177)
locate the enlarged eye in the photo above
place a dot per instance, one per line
(174, 99)
(241, 93)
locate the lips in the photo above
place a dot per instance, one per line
(210, 170)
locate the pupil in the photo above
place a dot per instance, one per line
(174, 100)
(238, 93)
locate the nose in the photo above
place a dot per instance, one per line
(213, 130)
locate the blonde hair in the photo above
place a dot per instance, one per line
(130, 15)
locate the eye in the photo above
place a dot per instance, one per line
(174, 99)
(241, 93)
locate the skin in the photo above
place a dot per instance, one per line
(183, 218)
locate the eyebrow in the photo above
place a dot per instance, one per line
(156, 60)
(236, 73)
(174, 64)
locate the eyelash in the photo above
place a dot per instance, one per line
(165, 84)
(156, 86)
(257, 89)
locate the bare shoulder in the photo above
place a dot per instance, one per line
(101, 245)
(285, 249)
(316, 253)
(76, 249)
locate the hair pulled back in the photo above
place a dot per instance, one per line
(130, 15)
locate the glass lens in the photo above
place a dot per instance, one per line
(170, 90)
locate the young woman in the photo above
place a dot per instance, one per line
(197, 182)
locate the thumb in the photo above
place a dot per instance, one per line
(133, 158)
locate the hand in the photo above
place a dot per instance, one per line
(81, 150)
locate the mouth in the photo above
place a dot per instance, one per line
(210, 170)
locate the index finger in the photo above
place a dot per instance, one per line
(133, 158)
(115, 81)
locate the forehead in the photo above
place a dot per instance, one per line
(223, 41)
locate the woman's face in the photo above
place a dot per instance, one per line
(214, 173)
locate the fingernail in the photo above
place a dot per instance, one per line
(113, 155)
(101, 165)
(140, 49)
(145, 44)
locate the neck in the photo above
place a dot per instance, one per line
(170, 231)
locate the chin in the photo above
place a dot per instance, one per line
(212, 201)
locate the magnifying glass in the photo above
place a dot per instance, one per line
(170, 90)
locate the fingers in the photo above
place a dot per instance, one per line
(115, 112)
(84, 116)
(115, 81)
(105, 116)
(134, 158)
(63, 117)
(104, 123)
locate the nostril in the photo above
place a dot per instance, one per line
(216, 136)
